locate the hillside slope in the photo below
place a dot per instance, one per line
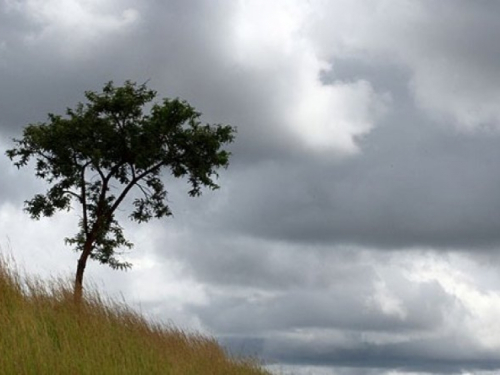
(43, 332)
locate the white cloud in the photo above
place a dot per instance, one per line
(270, 43)
(386, 301)
(38, 246)
(77, 26)
(332, 116)
(456, 276)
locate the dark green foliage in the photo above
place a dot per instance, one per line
(103, 149)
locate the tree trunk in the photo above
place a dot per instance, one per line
(82, 262)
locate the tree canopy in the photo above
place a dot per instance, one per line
(103, 149)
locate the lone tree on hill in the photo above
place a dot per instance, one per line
(107, 147)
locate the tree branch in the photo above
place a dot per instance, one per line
(43, 155)
(132, 170)
(131, 185)
(100, 214)
(99, 171)
(73, 194)
(84, 205)
(113, 170)
(144, 190)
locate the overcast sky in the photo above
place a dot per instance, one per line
(358, 225)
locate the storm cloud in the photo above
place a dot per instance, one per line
(356, 229)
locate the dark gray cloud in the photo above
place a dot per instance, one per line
(416, 183)
(427, 356)
(413, 185)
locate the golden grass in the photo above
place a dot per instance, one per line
(42, 332)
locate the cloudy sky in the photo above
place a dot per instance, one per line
(357, 228)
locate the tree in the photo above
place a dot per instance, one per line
(102, 150)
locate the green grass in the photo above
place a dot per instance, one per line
(42, 332)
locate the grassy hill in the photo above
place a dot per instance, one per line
(43, 332)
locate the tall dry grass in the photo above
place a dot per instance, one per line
(42, 332)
